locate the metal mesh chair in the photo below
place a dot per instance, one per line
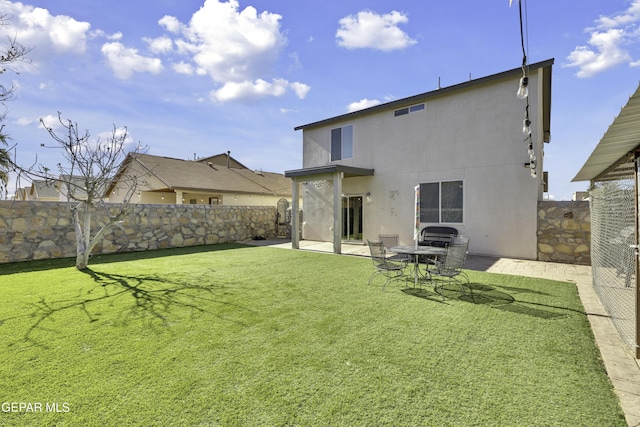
(389, 268)
(450, 268)
(389, 241)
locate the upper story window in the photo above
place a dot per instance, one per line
(342, 143)
(407, 110)
(441, 202)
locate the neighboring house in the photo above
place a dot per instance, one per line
(40, 190)
(71, 184)
(463, 145)
(216, 180)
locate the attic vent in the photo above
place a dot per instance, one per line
(258, 172)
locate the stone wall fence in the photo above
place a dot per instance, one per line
(31, 230)
(564, 232)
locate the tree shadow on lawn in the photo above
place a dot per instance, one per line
(50, 264)
(500, 299)
(157, 300)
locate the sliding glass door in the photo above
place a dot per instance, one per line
(352, 218)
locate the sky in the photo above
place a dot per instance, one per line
(195, 78)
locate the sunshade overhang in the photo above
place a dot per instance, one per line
(615, 150)
(348, 171)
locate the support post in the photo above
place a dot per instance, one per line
(295, 214)
(337, 212)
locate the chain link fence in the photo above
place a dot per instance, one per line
(613, 230)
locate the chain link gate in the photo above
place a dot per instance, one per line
(613, 257)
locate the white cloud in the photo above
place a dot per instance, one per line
(628, 17)
(370, 30)
(251, 91)
(51, 122)
(36, 27)
(24, 121)
(159, 44)
(228, 44)
(604, 54)
(235, 48)
(606, 47)
(124, 61)
(362, 104)
(170, 23)
(183, 68)
(300, 89)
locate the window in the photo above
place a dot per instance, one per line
(342, 143)
(401, 112)
(441, 202)
(407, 110)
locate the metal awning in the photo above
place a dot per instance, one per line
(615, 152)
(348, 171)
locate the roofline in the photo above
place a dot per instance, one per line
(216, 190)
(618, 145)
(426, 95)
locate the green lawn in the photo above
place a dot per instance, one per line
(248, 336)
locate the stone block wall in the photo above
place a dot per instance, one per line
(564, 232)
(42, 230)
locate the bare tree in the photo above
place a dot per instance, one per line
(11, 53)
(85, 177)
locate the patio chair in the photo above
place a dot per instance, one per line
(390, 269)
(389, 241)
(450, 268)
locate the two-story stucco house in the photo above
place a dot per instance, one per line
(462, 145)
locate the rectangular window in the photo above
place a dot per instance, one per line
(441, 202)
(342, 143)
(407, 110)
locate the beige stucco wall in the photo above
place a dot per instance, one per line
(473, 135)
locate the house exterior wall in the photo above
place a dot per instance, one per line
(473, 135)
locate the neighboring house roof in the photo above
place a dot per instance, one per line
(77, 184)
(42, 189)
(613, 156)
(223, 159)
(187, 175)
(423, 97)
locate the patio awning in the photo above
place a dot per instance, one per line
(615, 152)
(348, 171)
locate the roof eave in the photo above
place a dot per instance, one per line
(427, 95)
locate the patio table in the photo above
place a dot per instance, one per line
(415, 253)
